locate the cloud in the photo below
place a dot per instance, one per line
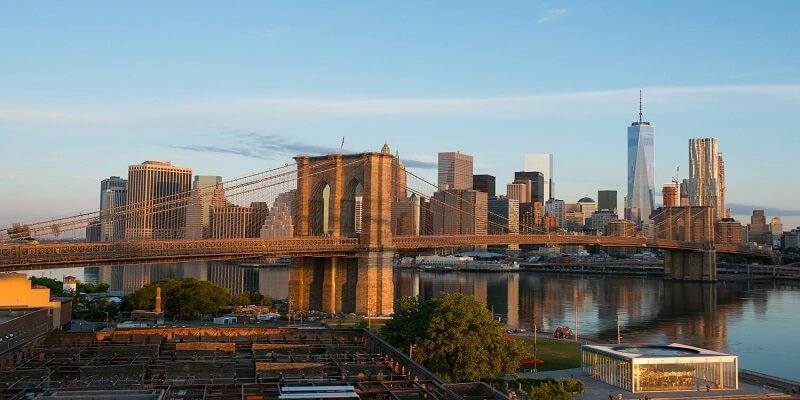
(261, 111)
(419, 164)
(270, 147)
(258, 145)
(551, 15)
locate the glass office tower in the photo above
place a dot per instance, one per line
(641, 170)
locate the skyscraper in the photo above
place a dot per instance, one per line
(541, 163)
(455, 171)
(641, 169)
(705, 186)
(207, 190)
(157, 196)
(503, 216)
(484, 183)
(519, 191)
(607, 200)
(113, 197)
(538, 184)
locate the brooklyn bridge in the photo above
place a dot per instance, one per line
(341, 262)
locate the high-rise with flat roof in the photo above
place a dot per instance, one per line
(157, 196)
(503, 216)
(207, 190)
(484, 183)
(641, 169)
(520, 191)
(541, 163)
(537, 187)
(455, 171)
(607, 200)
(113, 197)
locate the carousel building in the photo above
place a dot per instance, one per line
(660, 368)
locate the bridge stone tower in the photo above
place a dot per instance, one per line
(694, 225)
(329, 191)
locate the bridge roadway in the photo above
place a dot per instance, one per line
(15, 257)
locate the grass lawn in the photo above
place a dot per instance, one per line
(556, 354)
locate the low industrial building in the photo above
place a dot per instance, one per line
(18, 294)
(222, 363)
(660, 368)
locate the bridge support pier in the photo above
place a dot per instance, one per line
(361, 285)
(375, 286)
(690, 265)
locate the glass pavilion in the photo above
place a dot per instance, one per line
(660, 368)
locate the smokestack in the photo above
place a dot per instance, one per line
(158, 299)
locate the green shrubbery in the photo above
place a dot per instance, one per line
(542, 389)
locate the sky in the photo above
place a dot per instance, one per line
(228, 88)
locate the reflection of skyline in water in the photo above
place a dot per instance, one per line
(754, 320)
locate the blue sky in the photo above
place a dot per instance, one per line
(229, 88)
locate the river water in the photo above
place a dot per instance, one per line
(756, 320)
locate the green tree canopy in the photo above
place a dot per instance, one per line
(181, 298)
(56, 287)
(241, 299)
(455, 336)
(92, 287)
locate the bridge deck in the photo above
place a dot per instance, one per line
(53, 255)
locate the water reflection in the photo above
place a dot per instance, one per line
(755, 320)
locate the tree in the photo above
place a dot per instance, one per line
(184, 299)
(241, 299)
(56, 287)
(92, 287)
(455, 336)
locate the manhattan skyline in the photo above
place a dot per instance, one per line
(231, 90)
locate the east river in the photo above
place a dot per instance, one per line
(756, 320)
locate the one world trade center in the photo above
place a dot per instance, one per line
(640, 201)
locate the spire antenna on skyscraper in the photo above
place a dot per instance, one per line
(640, 106)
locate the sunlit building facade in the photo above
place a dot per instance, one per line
(158, 193)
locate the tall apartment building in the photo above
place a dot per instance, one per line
(537, 184)
(519, 191)
(406, 216)
(455, 171)
(158, 193)
(113, 197)
(542, 163)
(207, 191)
(503, 216)
(459, 212)
(484, 183)
(705, 185)
(641, 170)
(555, 208)
(230, 221)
